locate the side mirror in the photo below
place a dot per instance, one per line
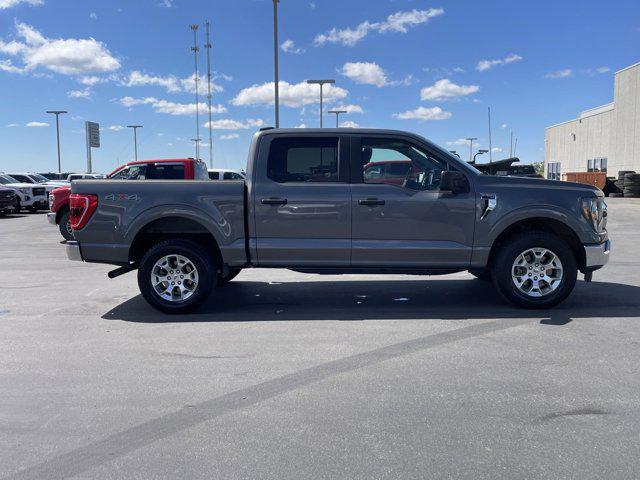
(454, 182)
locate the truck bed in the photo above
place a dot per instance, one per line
(127, 207)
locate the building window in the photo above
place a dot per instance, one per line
(603, 165)
(597, 165)
(553, 171)
(590, 165)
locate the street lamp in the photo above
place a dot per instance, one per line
(321, 83)
(337, 112)
(275, 61)
(480, 152)
(470, 140)
(57, 114)
(135, 138)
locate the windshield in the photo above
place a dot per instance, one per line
(6, 180)
(38, 178)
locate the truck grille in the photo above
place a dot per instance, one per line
(7, 195)
(38, 191)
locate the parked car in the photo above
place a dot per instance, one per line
(55, 176)
(8, 200)
(28, 195)
(226, 174)
(37, 179)
(307, 206)
(171, 169)
(84, 176)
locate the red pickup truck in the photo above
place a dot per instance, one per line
(169, 169)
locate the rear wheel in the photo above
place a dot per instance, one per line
(535, 270)
(65, 226)
(33, 209)
(176, 276)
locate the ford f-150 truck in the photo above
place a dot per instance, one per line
(167, 169)
(305, 205)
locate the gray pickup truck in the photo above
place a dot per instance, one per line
(343, 201)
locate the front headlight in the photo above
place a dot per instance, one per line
(595, 211)
(25, 190)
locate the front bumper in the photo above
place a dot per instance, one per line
(73, 251)
(51, 218)
(597, 256)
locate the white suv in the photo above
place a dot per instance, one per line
(29, 196)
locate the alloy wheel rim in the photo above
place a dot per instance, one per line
(68, 227)
(537, 272)
(174, 278)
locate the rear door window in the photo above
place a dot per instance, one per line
(166, 172)
(303, 159)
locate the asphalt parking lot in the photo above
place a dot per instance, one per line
(291, 376)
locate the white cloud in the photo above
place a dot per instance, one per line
(228, 124)
(170, 83)
(7, 66)
(603, 69)
(12, 3)
(496, 150)
(503, 126)
(564, 73)
(11, 125)
(302, 125)
(84, 93)
(67, 56)
(289, 46)
(460, 141)
(116, 128)
(166, 4)
(349, 108)
(349, 124)
(230, 136)
(93, 16)
(37, 124)
(487, 64)
(366, 73)
(91, 80)
(398, 22)
(446, 89)
(291, 95)
(171, 108)
(423, 113)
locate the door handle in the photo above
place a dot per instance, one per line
(273, 201)
(370, 201)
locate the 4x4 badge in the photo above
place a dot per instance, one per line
(122, 197)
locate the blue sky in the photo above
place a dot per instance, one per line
(427, 67)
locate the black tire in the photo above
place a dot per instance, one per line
(231, 274)
(33, 209)
(201, 259)
(484, 275)
(509, 252)
(65, 226)
(616, 195)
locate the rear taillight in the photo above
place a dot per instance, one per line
(81, 206)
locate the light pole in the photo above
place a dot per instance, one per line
(135, 138)
(208, 47)
(57, 114)
(337, 112)
(321, 83)
(480, 152)
(470, 140)
(197, 142)
(275, 62)
(195, 50)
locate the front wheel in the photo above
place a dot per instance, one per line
(33, 209)
(535, 270)
(176, 276)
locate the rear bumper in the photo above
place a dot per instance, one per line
(597, 256)
(73, 251)
(51, 218)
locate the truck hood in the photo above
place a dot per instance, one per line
(21, 185)
(581, 189)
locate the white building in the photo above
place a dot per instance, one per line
(605, 138)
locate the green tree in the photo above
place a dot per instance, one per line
(539, 166)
